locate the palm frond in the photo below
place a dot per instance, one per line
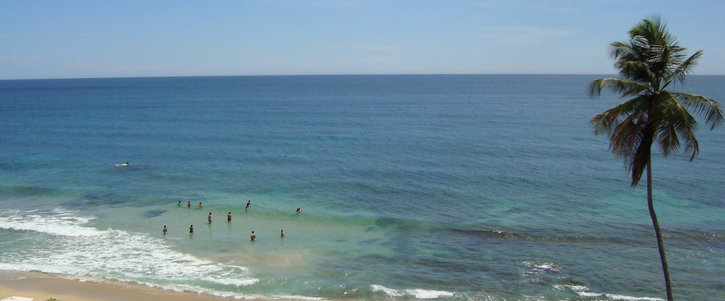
(642, 153)
(635, 71)
(671, 119)
(681, 71)
(609, 120)
(621, 49)
(708, 108)
(616, 85)
(624, 136)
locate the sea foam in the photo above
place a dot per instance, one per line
(57, 222)
(417, 293)
(583, 291)
(62, 245)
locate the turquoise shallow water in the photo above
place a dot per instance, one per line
(447, 187)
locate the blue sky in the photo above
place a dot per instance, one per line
(78, 39)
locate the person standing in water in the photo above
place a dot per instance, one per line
(253, 236)
(199, 206)
(229, 217)
(248, 203)
(191, 229)
(299, 210)
(282, 233)
(165, 230)
(188, 204)
(210, 217)
(179, 203)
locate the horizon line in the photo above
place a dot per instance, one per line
(302, 75)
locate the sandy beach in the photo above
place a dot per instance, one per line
(43, 287)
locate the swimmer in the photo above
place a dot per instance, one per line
(299, 210)
(179, 204)
(191, 229)
(165, 230)
(188, 204)
(248, 203)
(210, 217)
(229, 217)
(282, 233)
(253, 236)
(198, 206)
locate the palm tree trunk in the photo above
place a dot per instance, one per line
(660, 242)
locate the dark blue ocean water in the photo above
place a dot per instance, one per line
(448, 187)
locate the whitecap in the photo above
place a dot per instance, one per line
(388, 291)
(417, 293)
(583, 291)
(58, 222)
(428, 294)
(543, 266)
(630, 298)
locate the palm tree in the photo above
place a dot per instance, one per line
(648, 63)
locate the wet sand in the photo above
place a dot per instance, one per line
(42, 287)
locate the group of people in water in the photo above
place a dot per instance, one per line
(229, 218)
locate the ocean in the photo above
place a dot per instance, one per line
(436, 187)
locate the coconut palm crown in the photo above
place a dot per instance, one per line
(648, 63)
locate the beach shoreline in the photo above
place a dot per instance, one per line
(41, 286)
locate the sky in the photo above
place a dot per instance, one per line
(88, 39)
